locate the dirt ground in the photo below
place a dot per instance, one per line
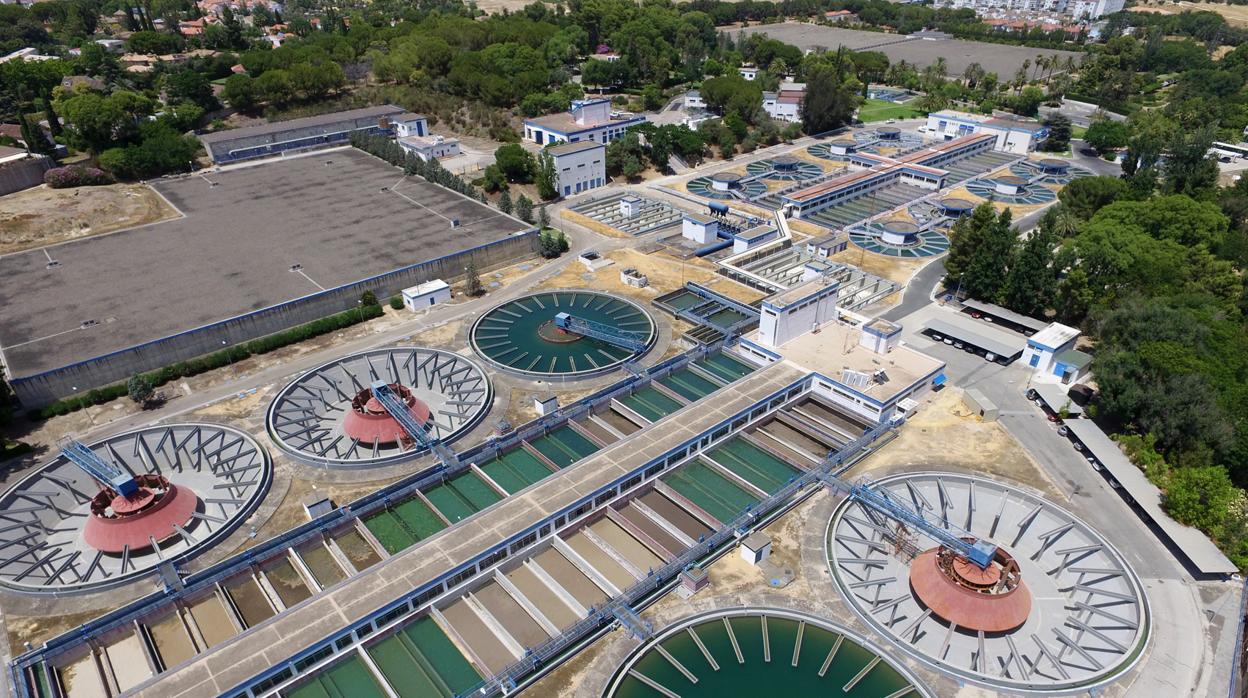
(891, 268)
(290, 513)
(665, 274)
(946, 433)
(1234, 14)
(44, 216)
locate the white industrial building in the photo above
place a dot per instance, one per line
(427, 294)
(749, 72)
(579, 166)
(1013, 135)
(588, 120)
(1075, 9)
(431, 147)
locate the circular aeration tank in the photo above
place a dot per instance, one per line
(1009, 184)
(782, 652)
(67, 533)
(1052, 575)
(521, 337)
(329, 417)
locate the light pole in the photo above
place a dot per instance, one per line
(359, 306)
(229, 355)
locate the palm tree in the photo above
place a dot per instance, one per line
(1039, 62)
(1065, 223)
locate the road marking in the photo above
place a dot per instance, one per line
(414, 201)
(300, 272)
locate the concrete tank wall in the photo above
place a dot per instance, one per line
(118, 366)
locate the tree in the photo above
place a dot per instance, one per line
(1031, 284)
(1087, 195)
(1200, 497)
(504, 202)
(1189, 167)
(240, 92)
(981, 248)
(98, 122)
(1059, 133)
(626, 157)
(515, 162)
(830, 100)
(553, 243)
(189, 86)
(140, 389)
(652, 98)
(543, 218)
(547, 177)
(472, 280)
(1106, 136)
(153, 42)
(524, 209)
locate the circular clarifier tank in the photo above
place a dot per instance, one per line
(900, 233)
(760, 652)
(955, 207)
(521, 336)
(723, 181)
(66, 532)
(888, 133)
(1054, 166)
(1057, 610)
(1009, 184)
(329, 416)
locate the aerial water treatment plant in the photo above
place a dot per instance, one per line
(690, 464)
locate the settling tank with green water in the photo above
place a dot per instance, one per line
(520, 336)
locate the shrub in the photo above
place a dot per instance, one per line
(396, 302)
(75, 176)
(212, 361)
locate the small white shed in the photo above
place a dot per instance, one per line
(426, 295)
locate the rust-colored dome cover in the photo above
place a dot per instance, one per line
(969, 601)
(118, 522)
(368, 421)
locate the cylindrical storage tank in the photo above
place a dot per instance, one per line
(1010, 185)
(843, 146)
(900, 233)
(888, 133)
(785, 163)
(956, 208)
(1054, 166)
(723, 181)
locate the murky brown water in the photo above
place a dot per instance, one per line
(626, 545)
(250, 601)
(673, 514)
(173, 643)
(81, 679)
(322, 564)
(541, 595)
(648, 526)
(562, 570)
(518, 623)
(357, 549)
(128, 661)
(599, 560)
(286, 581)
(483, 643)
(214, 624)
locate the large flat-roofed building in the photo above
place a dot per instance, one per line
(1013, 135)
(920, 168)
(864, 369)
(579, 166)
(301, 134)
(259, 249)
(588, 120)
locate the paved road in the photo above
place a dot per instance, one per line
(918, 291)
(579, 238)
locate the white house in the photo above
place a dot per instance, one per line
(749, 72)
(785, 105)
(410, 125)
(427, 294)
(579, 166)
(1014, 135)
(588, 120)
(693, 100)
(430, 147)
(1044, 346)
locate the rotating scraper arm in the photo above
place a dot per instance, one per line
(628, 339)
(398, 409)
(980, 552)
(103, 472)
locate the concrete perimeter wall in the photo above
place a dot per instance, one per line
(23, 174)
(118, 366)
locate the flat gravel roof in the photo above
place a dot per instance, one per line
(343, 215)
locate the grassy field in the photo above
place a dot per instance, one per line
(881, 110)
